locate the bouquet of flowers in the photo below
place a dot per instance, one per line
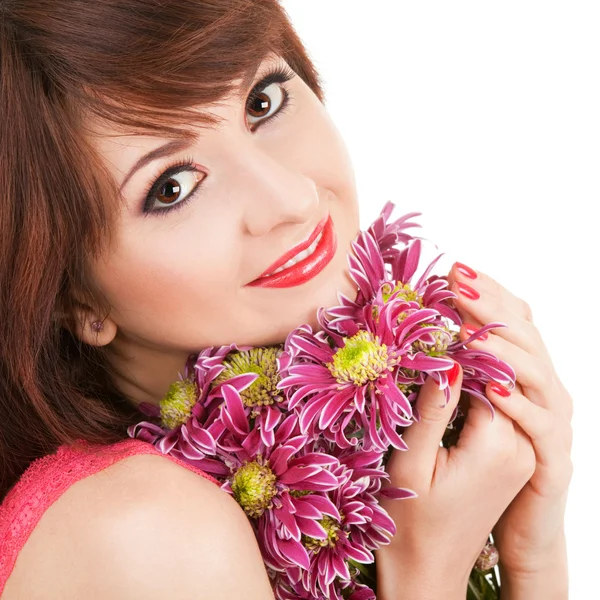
(300, 433)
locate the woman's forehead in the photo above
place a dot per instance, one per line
(100, 129)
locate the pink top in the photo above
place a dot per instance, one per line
(47, 478)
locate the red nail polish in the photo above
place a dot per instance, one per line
(500, 389)
(466, 271)
(471, 330)
(468, 291)
(453, 374)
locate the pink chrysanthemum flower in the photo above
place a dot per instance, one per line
(276, 485)
(388, 234)
(351, 383)
(184, 418)
(354, 384)
(263, 401)
(390, 279)
(181, 431)
(369, 271)
(363, 525)
(340, 590)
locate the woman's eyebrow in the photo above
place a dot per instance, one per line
(162, 151)
(181, 144)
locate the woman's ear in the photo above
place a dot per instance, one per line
(91, 328)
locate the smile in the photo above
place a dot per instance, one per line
(303, 265)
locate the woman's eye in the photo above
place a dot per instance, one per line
(180, 183)
(267, 103)
(174, 190)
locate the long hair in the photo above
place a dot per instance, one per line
(145, 65)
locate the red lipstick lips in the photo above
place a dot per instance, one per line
(306, 268)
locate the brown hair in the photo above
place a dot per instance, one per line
(61, 60)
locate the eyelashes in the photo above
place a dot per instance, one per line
(187, 164)
(280, 74)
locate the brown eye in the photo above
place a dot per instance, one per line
(170, 192)
(260, 106)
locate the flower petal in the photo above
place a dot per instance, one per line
(295, 552)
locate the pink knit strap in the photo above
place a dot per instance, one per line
(48, 477)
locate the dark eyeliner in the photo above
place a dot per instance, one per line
(187, 164)
(280, 74)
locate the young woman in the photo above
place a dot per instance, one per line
(155, 159)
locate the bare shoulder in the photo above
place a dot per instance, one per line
(144, 527)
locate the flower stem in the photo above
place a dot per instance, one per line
(481, 588)
(472, 592)
(495, 577)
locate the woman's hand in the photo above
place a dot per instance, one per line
(530, 532)
(462, 491)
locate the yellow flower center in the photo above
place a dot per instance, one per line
(442, 339)
(263, 362)
(176, 406)
(408, 388)
(333, 530)
(405, 290)
(362, 358)
(253, 486)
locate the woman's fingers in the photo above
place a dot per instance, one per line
(496, 303)
(423, 437)
(480, 437)
(551, 444)
(536, 379)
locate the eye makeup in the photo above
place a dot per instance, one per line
(279, 74)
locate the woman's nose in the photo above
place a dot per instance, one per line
(274, 195)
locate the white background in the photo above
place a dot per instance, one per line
(485, 117)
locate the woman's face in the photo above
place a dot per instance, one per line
(178, 281)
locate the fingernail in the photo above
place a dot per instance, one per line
(453, 374)
(467, 290)
(466, 271)
(471, 330)
(500, 389)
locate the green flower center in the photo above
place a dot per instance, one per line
(333, 530)
(363, 358)
(253, 486)
(263, 362)
(442, 339)
(176, 406)
(408, 388)
(406, 292)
